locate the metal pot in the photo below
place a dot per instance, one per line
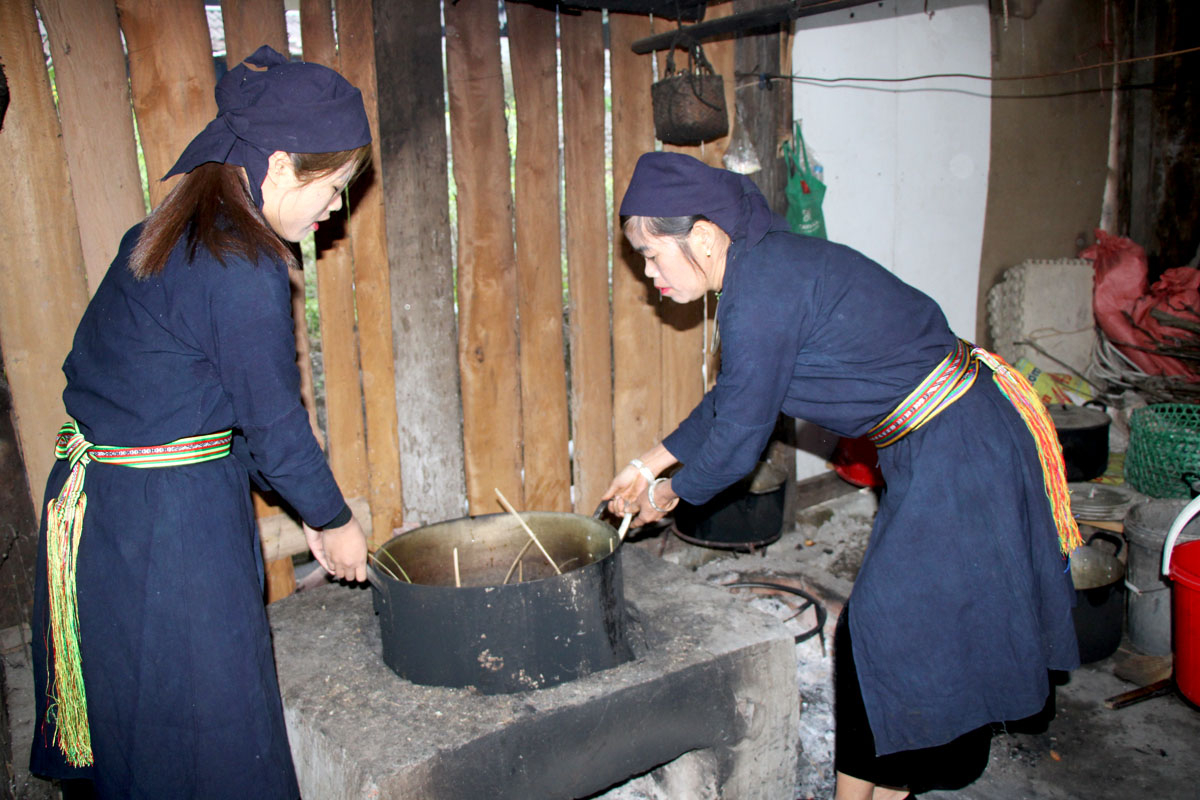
(1083, 434)
(539, 629)
(1099, 610)
(743, 517)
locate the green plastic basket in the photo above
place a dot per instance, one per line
(1164, 449)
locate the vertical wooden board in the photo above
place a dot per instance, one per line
(368, 237)
(487, 292)
(637, 340)
(280, 578)
(412, 139)
(171, 74)
(534, 49)
(249, 24)
(43, 286)
(582, 48)
(97, 125)
(346, 442)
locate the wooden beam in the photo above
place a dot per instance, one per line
(742, 22)
(487, 291)
(664, 9)
(171, 74)
(413, 157)
(97, 125)
(637, 341)
(368, 232)
(43, 287)
(534, 49)
(582, 45)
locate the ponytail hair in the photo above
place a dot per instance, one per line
(211, 207)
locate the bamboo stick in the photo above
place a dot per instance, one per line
(509, 508)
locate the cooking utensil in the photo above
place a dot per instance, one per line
(549, 628)
(1083, 434)
(1100, 597)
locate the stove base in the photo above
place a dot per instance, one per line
(711, 677)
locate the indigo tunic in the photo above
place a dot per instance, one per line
(963, 600)
(182, 696)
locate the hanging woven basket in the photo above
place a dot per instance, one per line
(689, 106)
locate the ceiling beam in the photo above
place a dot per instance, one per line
(741, 23)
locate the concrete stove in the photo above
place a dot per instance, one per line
(712, 678)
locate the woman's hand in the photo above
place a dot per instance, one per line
(624, 491)
(341, 551)
(627, 492)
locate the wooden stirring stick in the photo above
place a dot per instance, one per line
(509, 509)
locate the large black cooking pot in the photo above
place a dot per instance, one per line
(536, 630)
(1099, 579)
(1083, 434)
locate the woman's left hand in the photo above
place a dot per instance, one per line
(341, 551)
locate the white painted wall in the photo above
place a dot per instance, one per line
(906, 164)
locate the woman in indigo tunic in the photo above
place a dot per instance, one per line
(153, 663)
(963, 601)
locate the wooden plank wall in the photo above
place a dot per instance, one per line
(552, 399)
(43, 284)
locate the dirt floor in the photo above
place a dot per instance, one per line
(1149, 749)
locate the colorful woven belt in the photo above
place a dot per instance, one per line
(64, 521)
(949, 381)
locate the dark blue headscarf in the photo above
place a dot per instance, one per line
(677, 185)
(291, 106)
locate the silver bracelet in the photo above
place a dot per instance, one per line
(641, 467)
(650, 494)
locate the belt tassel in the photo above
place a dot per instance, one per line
(64, 521)
(67, 703)
(1025, 400)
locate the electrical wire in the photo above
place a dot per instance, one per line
(765, 76)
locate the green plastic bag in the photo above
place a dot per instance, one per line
(804, 191)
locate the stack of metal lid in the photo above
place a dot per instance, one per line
(1098, 501)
